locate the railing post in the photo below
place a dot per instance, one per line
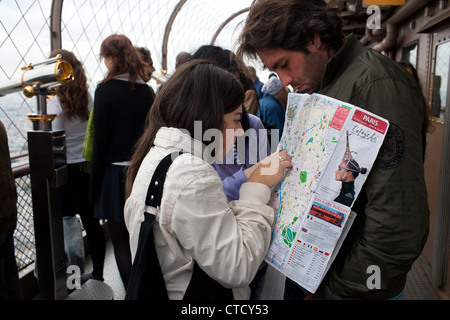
(442, 226)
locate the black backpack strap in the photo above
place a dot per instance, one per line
(146, 279)
(155, 189)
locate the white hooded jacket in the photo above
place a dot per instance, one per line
(195, 221)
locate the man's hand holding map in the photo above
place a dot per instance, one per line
(333, 146)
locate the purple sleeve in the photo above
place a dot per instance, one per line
(232, 184)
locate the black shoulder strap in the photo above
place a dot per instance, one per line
(146, 279)
(154, 192)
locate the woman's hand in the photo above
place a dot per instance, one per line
(270, 171)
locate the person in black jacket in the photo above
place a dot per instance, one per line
(9, 278)
(122, 101)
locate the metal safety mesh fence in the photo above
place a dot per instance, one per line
(165, 27)
(174, 24)
(24, 233)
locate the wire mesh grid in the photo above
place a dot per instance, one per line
(24, 240)
(25, 38)
(86, 24)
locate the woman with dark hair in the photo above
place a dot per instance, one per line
(228, 61)
(148, 65)
(122, 101)
(250, 148)
(195, 225)
(72, 105)
(148, 62)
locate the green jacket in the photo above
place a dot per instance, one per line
(393, 215)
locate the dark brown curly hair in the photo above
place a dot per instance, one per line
(126, 59)
(197, 91)
(74, 96)
(290, 25)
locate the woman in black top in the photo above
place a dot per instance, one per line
(121, 103)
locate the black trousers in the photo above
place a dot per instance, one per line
(9, 277)
(292, 291)
(76, 201)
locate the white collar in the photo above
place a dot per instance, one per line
(174, 138)
(126, 77)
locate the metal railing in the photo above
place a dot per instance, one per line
(80, 26)
(24, 234)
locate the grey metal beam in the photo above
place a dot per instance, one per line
(169, 24)
(219, 30)
(55, 25)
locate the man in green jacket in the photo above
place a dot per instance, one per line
(302, 41)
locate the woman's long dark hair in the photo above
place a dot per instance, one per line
(228, 61)
(126, 58)
(198, 91)
(74, 96)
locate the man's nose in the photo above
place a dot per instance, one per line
(285, 79)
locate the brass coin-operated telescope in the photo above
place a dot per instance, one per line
(48, 172)
(45, 75)
(40, 80)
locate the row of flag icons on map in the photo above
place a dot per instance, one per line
(313, 248)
